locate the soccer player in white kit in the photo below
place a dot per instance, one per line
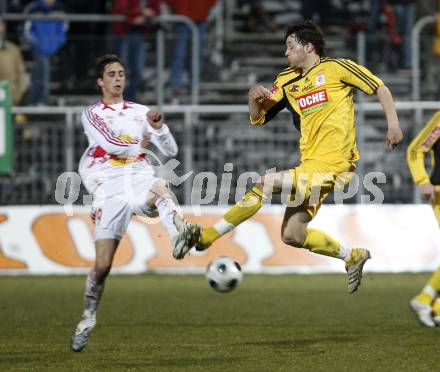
(116, 172)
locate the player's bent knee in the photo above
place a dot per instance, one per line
(294, 239)
(157, 190)
(160, 186)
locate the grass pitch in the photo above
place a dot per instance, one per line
(177, 323)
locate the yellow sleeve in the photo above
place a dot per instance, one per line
(358, 76)
(415, 154)
(272, 105)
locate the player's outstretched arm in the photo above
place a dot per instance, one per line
(257, 95)
(394, 134)
(161, 136)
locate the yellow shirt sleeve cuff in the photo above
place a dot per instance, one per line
(423, 181)
(259, 121)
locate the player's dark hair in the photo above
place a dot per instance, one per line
(104, 61)
(305, 32)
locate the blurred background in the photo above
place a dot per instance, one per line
(196, 63)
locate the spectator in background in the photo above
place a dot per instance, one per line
(257, 17)
(198, 11)
(12, 66)
(129, 38)
(405, 11)
(46, 39)
(321, 8)
(432, 60)
(85, 39)
(374, 34)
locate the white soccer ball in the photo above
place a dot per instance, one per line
(224, 274)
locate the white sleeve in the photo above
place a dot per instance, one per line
(97, 129)
(163, 139)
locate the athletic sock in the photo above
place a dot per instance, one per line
(93, 293)
(319, 242)
(427, 295)
(167, 211)
(241, 211)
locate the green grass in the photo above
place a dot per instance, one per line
(177, 323)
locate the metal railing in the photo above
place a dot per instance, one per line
(208, 137)
(415, 47)
(160, 38)
(195, 50)
(223, 21)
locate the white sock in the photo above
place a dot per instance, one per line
(93, 292)
(167, 210)
(344, 253)
(431, 292)
(223, 226)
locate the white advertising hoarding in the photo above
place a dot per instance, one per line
(44, 240)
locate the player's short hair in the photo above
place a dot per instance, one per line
(308, 31)
(104, 61)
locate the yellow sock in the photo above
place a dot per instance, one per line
(241, 211)
(436, 307)
(209, 235)
(431, 289)
(245, 208)
(319, 242)
(427, 295)
(434, 281)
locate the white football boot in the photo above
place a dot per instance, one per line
(423, 312)
(354, 267)
(189, 235)
(83, 330)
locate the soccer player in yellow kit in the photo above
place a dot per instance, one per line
(426, 304)
(319, 93)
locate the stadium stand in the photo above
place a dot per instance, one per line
(219, 136)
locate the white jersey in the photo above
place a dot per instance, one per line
(115, 133)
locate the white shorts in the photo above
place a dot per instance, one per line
(116, 199)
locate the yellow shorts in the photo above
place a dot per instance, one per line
(314, 180)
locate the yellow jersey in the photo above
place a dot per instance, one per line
(321, 102)
(427, 141)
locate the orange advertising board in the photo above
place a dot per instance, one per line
(44, 240)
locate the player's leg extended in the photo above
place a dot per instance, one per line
(424, 305)
(244, 209)
(183, 234)
(105, 251)
(295, 232)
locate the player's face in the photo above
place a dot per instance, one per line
(295, 52)
(113, 80)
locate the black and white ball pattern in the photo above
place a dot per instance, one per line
(224, 274)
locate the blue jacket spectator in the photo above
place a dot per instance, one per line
(46, 38)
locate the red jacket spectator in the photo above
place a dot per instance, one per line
(197, 10)
(133, 11)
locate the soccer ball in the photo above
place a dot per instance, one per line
(224, 274)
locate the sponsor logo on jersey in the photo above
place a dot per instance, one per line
(273, 91)
(308, 87)
(320, 79)
(294, 88)
(311, 102)
(433, 136)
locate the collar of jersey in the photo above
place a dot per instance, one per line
(311, 68)
(115, 107)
